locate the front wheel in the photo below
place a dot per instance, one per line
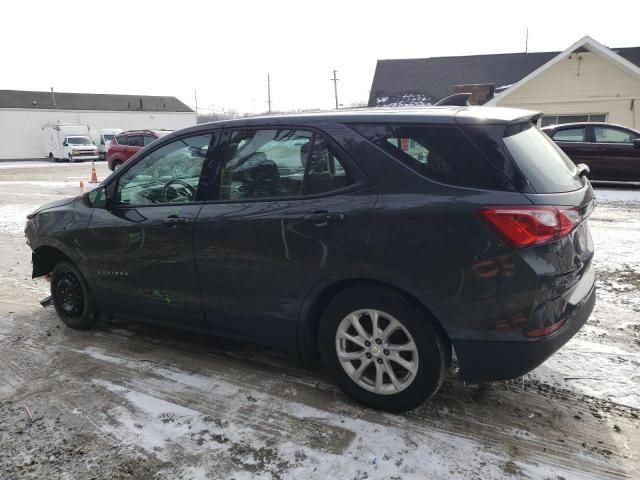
(115, 165)
(381, 349)
(72, 298)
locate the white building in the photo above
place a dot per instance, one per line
(24, 113)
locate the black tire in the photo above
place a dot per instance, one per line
(52, 158)
(72, 298)
(115, 165)
(433, 351)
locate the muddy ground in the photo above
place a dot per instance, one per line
(126, 401)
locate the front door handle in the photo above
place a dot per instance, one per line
(322, 218)
(173, 220)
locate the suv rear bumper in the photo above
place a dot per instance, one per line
(492, 360)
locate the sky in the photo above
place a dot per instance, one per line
(224, 50)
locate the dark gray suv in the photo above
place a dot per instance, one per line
(382, 240)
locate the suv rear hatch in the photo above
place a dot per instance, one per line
(551, 234)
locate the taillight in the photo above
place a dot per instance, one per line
(523, 226)
(545, 331)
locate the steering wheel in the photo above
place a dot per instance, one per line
(178, 192)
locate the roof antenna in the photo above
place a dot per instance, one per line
(53, 96)
(526, 42)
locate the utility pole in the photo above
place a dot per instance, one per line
(335, 86)
(195, 95)
(526, 42)
(269, 91)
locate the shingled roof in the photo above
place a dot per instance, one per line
(90, 101)
(427, 80)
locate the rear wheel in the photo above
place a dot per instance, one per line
(381, 349)
(72, 298)
(52, 158)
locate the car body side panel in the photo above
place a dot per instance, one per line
(144, 267)
(427, 241)
(63, 227)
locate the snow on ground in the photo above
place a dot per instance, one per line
(22, 164)
(386, 451)
(116, 402)
(603, 360)
(604, 195)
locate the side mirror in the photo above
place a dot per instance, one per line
(65, 143)
(97, 198)
(636, 142)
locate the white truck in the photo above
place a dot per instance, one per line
(68, 142)
(102, 138)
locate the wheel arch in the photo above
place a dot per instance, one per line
(308, 333)
(45, 258)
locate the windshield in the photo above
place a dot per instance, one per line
(545, 165)
(79, 141)
(108, 137)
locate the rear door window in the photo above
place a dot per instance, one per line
(443, 154)
(135, 141)
(570, 135)
(277, 163)
(148, 139)
(545, 165)
(612, 135)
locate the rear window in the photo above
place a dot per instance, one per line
(544, 164)
(441, 153)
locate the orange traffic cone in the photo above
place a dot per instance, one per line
(94, 176)
(81, 186)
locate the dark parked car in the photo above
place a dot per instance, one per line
(124, 145)
(381, 240)
(611, 152)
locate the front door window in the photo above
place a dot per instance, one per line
(167, 175)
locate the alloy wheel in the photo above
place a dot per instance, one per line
(376, 351)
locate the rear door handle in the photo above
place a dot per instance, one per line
(176, 220)
(320, 219)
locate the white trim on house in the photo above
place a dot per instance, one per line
(587, 42)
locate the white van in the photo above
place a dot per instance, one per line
(102, 138)
(68, 142)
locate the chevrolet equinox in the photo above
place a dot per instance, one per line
(381, 240)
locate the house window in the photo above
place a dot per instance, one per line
(587, 117)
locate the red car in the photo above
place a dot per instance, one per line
(123, 146)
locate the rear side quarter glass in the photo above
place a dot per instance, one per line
(441, 153)
(544, 164)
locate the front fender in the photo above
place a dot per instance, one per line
(62, 229)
